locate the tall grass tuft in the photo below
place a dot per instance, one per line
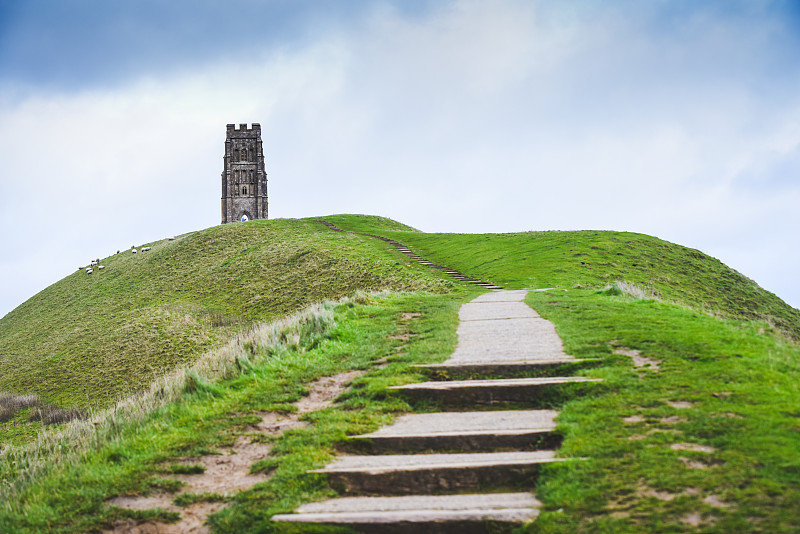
(11, 403)
(630, 289)
(51, 415)
(54, 448)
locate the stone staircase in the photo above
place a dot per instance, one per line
(408, 252)
(450, 471)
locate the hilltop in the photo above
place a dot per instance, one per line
(594, 259)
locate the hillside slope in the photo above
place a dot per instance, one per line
(594, 259)
(88, 339)
(694, 427)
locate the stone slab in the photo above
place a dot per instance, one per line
(462, 514)
(512, 365)
(498, 382)
(465, 369)
(450, 423)
(518, 430)
(486, 501)
(411, 462)
(466, 392)
(415, 474)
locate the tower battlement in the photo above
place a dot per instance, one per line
(243, 130)
(244, 178)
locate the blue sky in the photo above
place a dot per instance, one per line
(678, 119)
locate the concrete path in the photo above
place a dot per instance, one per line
(499, 327)
(459, 452)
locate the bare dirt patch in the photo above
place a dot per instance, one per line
(639, 360)
(660, 495)
(634, 419)
(407, 316)
(680, 404)
(674, 420)
(713, 500)
(694, 447)
(693, 519)
(324, 391)
(692, 464)
(230, 472)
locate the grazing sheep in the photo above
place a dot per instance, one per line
(93, 263)
(134, 251)
(145, 249)
(89, 271)
(101, 267)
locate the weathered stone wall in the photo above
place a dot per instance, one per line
(244, 178)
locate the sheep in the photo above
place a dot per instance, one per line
(101, 267)
(145, 249)
(133, 250)
(93, 263)
(89, 271)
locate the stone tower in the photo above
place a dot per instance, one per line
(244, 180)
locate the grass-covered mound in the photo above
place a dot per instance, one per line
(703, 432)
(594, 259)
(88, 339)
(693, 428)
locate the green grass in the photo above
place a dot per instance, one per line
(91, 339)
(70, 497)
(739, 384)
(738, 380)
(594, 259)
(726, 381)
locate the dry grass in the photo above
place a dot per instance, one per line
(11, 403)
(56, 447)
(51, 415)
(632, 290)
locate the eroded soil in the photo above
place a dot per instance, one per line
(227, 473)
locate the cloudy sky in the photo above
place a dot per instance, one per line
(679, 119)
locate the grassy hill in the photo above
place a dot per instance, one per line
(704, 438)
(594, 259)
(89, 339)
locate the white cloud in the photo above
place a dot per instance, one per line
(479, 117)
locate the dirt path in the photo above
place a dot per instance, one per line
(227, 473)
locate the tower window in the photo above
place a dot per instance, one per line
(244, 190)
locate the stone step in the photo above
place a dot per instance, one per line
(466, 392)
(466, 431)
(453, 369)
(456, 514)
(415, 474)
